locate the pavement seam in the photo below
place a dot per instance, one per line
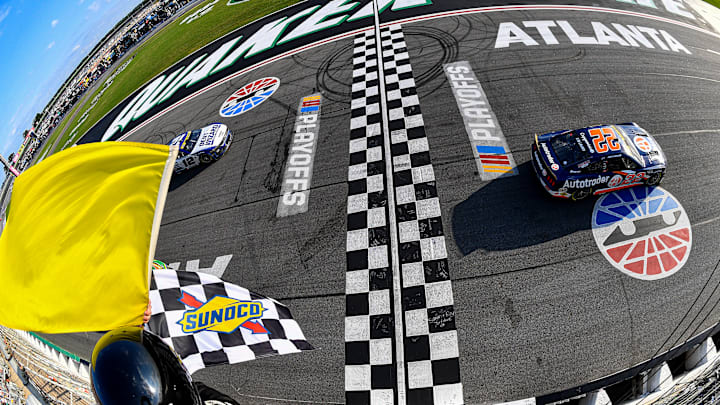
(431, 350)
(370, 366)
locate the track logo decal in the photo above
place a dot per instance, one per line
(220, 314)
(642, 143)
(249, 97)
(642, 231)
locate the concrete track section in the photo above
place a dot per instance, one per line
(537, 308)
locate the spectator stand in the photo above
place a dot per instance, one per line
(56, 375)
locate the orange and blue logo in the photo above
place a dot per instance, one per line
(221, 314)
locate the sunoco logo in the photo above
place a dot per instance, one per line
(585, 183)
(642, 231)
(220, 314)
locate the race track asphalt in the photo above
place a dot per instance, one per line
(538, 307)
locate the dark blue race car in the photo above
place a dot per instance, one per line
(594, 160)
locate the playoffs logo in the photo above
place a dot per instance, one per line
(642, 231)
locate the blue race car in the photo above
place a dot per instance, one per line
(201, 146)
(594, 160)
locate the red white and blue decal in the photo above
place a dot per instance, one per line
(642, 231)
(642, 143)
(249, 96)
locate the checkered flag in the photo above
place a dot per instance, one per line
(207, 348)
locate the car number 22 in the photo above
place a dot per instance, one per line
(633, 178)
(604, 139)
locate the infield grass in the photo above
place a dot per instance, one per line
(715, 3)
(167, 47)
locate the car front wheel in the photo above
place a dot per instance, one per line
(205, 159)
(581, 194)
(654, 179)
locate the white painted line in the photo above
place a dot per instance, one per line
(683, 76)
(395, 257)
(699, 131)
(218, 268)
(707, 221)
(711, 51)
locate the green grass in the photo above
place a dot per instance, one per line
(715, 3)
(172, 44)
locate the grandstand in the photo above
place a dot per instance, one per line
(54, 377)
(10, 391)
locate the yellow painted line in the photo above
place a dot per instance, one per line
(503, 167)
(311, 98)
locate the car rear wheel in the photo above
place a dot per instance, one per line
(205, 159)
(581, 194)
(654, 179)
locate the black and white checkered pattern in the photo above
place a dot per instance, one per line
(369, 322)
(431, 344)
(207, 348)
(431, 354)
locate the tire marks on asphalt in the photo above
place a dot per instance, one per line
(428, 348)
(369, 323)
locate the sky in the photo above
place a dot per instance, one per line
(41, 43)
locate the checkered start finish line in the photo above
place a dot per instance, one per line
(431, 353)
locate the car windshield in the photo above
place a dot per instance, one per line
(192, 139)
(568, 148)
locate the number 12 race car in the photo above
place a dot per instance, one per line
(201, 146)
(594, 160)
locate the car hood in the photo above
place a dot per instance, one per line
(642, 146)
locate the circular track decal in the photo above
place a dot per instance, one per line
(642, 231)
(249, 96)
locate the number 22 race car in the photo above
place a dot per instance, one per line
(594, 160)
(201, 146)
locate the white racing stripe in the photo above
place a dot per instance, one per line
(395, 263)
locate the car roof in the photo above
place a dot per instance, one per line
(622, 131)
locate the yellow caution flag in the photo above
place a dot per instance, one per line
(78, 246)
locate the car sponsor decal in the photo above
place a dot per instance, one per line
(549, 156)
(249, 97)
(626, 179)
(585, 183)
(493, 157)
(539, 164)
(295, 191)
(642, 143)
(642, 231)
